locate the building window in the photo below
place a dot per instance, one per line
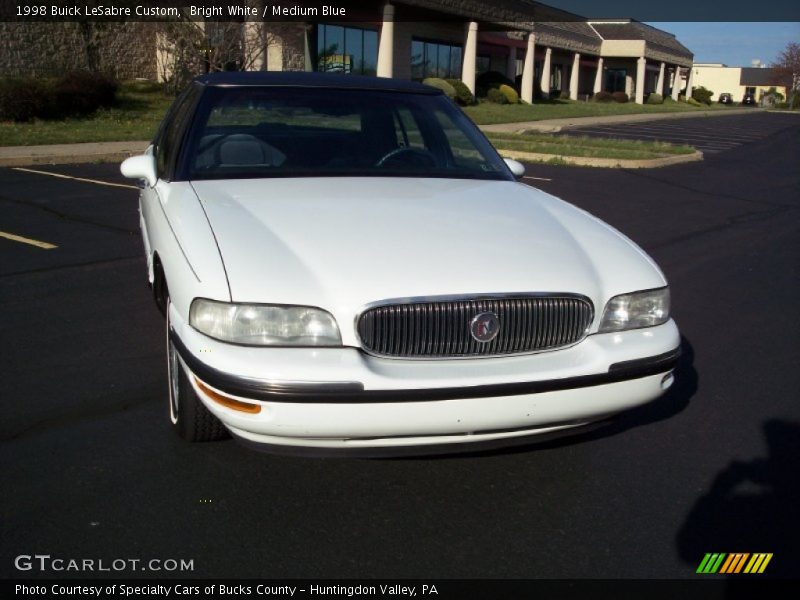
(556, 78)
(347, 50)
(615, 80)
(434, 59)
(483, 64)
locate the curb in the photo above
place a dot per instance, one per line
(556, 125)
(43, 155)
(63, 154)
(606, 163)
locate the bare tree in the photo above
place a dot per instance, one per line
(789, 61)
(789, 58)
(188, 47)
(91, 33)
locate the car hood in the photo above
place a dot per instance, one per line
(341, 243)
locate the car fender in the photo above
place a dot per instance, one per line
(176, 229)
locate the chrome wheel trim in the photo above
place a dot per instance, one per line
(173, 374)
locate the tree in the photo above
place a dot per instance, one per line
(91, 33)
(789, 58)
(789, 61)
(189, 47)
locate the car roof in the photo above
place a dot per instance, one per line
(320, 80)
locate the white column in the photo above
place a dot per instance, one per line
(309, 62)
(640, 72)
(511, 64)
(527, 69)
(386, 43)
(274, 41)
(676, 83)
(598, 78)
(690, 82)
(660, 83)
(470, 55)
(574, 77)
(546, 73)
(165, 57)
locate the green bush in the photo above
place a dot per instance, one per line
(441, 84)
(782, 105)
(701, 94)
(620, 97)
(512, 97)
(490, 80)
(496, 96)
(80, 93)
(463, 95)
(668, 100)
(776, 94)
(795, 102)
(693, 102)
(603, 97)
(77, 93)
(771, 98)
(23, 98)
(655, 99)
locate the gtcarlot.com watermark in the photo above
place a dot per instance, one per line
(45, 563)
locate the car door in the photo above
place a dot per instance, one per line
(165, 148)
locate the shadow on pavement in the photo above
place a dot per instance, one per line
(752, 507)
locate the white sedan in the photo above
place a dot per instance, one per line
(346, 265)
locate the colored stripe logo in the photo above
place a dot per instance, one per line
(736, 562)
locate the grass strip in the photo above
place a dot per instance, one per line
(487, 113)
(136, 116)
(593, 147)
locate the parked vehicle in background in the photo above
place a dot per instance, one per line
(725, 98)
(749, 99)
(346, 264)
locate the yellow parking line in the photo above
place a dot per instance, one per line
(24, 240)
(95, 181)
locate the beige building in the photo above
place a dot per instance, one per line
(738, 81)
(546, 51)
(549, 52)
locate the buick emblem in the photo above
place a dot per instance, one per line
(485, 327)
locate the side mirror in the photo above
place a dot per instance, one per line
(140, 167)
(517, 168)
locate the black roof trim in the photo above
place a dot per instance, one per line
(320, 80)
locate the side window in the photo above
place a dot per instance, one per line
(171, 132)
(407, 130)
(464, 153)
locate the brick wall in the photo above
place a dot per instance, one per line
(124, 50)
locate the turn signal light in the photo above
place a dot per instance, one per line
(227, 402)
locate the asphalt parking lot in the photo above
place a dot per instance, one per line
(91, 470)
(710, 135)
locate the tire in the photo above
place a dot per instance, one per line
(190, 419)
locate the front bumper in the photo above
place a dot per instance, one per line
(341, 399)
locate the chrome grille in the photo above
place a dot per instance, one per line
(441, 328)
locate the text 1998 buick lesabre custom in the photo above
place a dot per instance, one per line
(346, 264)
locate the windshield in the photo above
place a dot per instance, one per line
(255, 132)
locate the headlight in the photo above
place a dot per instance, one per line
(264, 324)
(639, 309)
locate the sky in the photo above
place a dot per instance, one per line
(734, 44)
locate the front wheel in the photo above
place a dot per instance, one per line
(189, 417)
